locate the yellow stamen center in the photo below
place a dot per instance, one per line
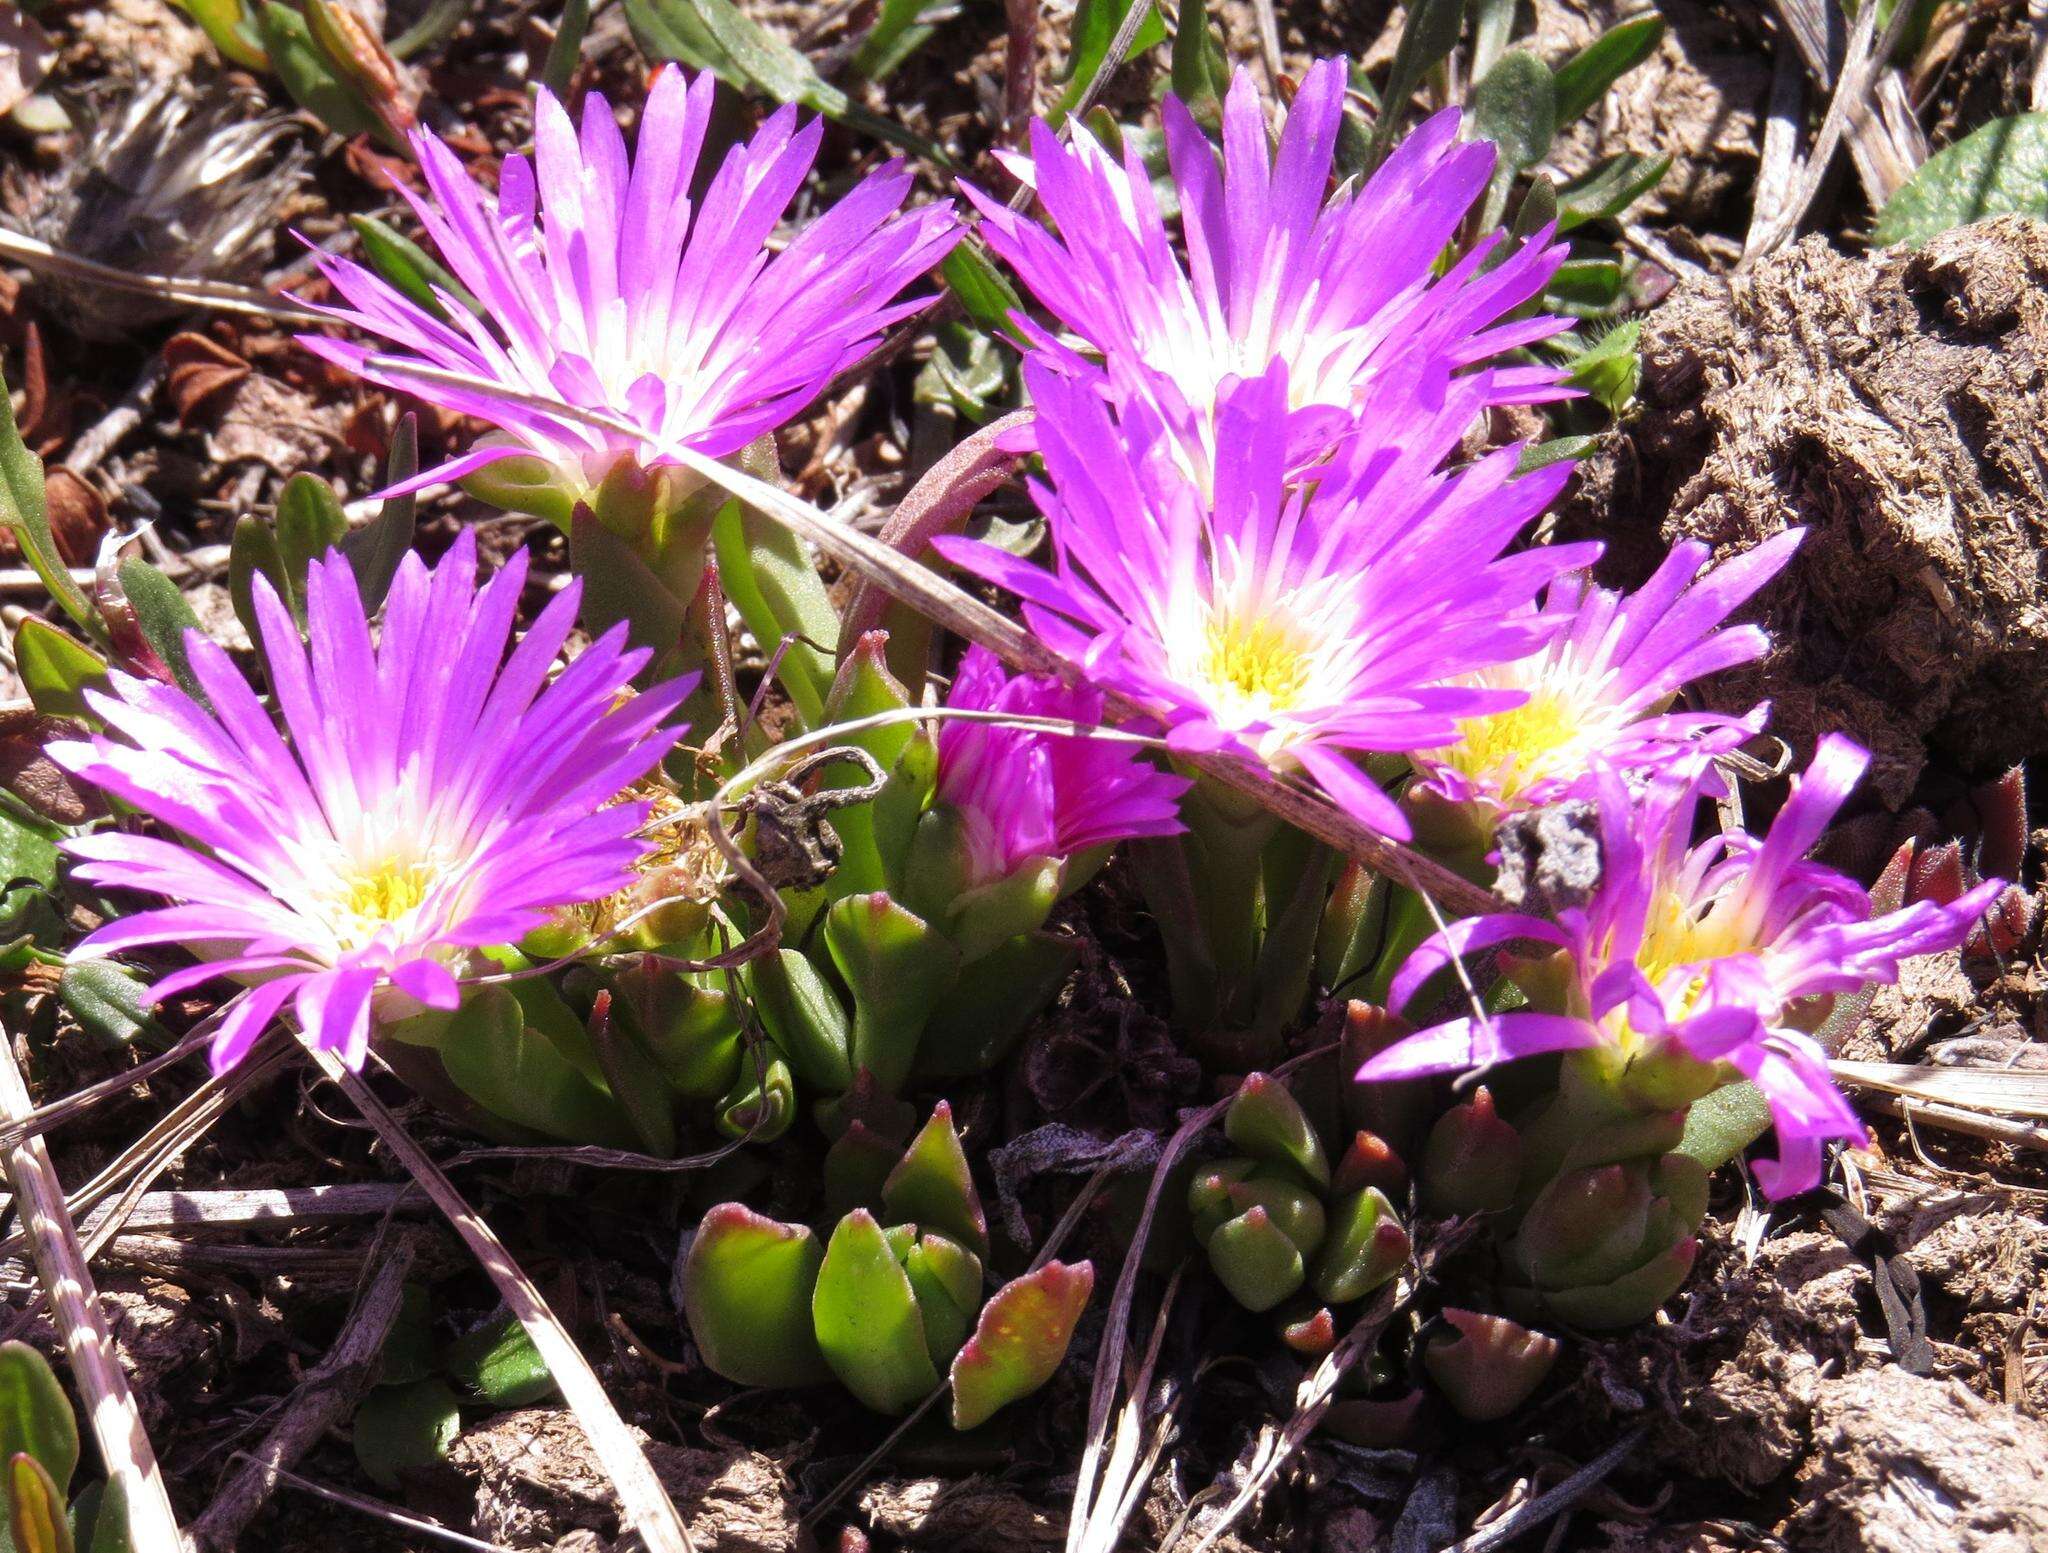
(1514, 749)
(384, 894)
(1259, 661)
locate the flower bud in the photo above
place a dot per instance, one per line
(1472, 1162)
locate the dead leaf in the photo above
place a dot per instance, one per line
(78, 515)
(25, 55)
(199, 372)
(272, 423)
(33, 777)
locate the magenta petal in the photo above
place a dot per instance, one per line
(1461, 1044)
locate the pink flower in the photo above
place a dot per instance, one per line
(605, 286)
(437, 795)
(1289, 625)
(1025, 795)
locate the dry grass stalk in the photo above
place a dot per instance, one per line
(96, 1372)
(645, 1503)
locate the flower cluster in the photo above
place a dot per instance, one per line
(1720, 953)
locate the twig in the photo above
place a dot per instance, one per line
(1553, 1501)
(219, 295)
(1850, 106)
(98, 441)
(1954, 1118)
(102, 1383)
(646, 1504)
(1778, 168)
(323, 1399)
(385, 1512)
(938, 504)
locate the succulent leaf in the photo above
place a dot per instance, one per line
(1268, 1123)
(864, 1311)
(747, 1283)
(1491, 1367)
(1019, 1341)
(1258, 1264)
(933, 1185)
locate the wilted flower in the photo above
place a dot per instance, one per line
(604, 286)
(176, 180)
(1337, 289)
(436, 796)
(1712, 954)
(1024, 794)
(1599, 693)
(1288, 627)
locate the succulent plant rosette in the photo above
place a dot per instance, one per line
(1437, 854)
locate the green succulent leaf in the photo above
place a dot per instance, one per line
(898, 32)
(747, 1283)
(99, 1518)
(1019, 1341)
(498, 1363)
(770, 578)
(1515, 107)
(1719, 1127)
(35, 1508)
(1611, 367)
(35, 1415)
(57, 670)
(405, 1429)
(805, 1017)
(933, 1185)
(946, 1278)
(518, 1074)
(1490, 1366)
(994, 1002)
(865, 1313)
(979, 287)
(164, 616)
(761, 1104)
(1366, 1246)
(1256, 1260)
(897, 968)
(2000, 169)
(716, 35)
(1268, 1123)
(106, 998)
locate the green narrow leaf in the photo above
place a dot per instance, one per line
(895, 36)
(980, 287)
(35, 1509)
(1493, 23)
(1200, 72)
(1515, 107)
(410, 268)
(310, 522)
(1427, 36)
(2000, 169)
(231, 28)
(933, 1187)
(25, 513)
(499, 1363)
(1609, 189)
(310, 76)
(252, 551)
(376, 550)
(567, 47)
(898, 968)
(35, 1415)
(1584, 79)
(165, 617)
(1096, 23)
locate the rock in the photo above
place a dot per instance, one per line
(1699, 99)
(1729, 1388)
(1891, 403)
(1903, 1464)
(972, 1515)
(538, 1482)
